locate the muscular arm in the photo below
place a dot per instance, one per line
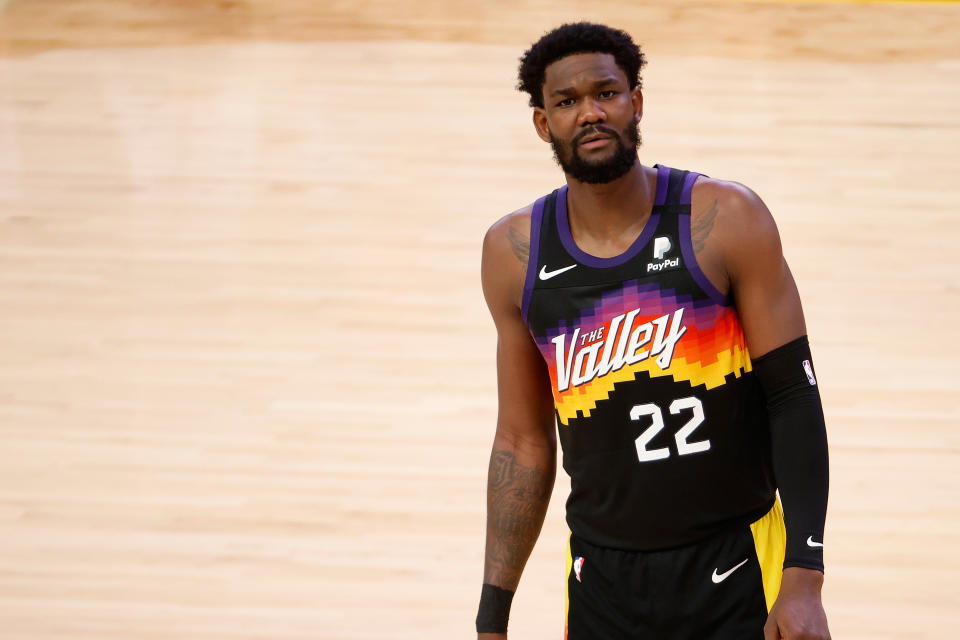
(523, 460)
(741, 251)
(738, 246)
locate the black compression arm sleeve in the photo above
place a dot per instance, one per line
(798, 438)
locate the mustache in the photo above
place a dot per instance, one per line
(595, 129)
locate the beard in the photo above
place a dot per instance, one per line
(603, 171)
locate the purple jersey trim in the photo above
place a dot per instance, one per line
(536, 217)
(690, 261)
(663, 178)
(581, 256)
(685, 195)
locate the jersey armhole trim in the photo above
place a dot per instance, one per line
(663, 178)
(690, 258)
(536, 218)
(686, 192)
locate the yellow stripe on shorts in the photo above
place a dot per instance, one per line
(566, 590)
(770, 541)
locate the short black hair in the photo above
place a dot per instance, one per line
(577, 37)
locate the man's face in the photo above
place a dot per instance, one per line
(590, 117)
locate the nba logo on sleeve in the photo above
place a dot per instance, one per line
(809, 371)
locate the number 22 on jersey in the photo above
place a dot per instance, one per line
(684, 446)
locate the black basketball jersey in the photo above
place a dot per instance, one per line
(663, 426)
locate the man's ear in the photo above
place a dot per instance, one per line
(636, 96)
(540, 123)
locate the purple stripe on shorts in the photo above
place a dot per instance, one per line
(663, 178)
(690, 260)
(688, 187)
(581, 256)
(536, 217)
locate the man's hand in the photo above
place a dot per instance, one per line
(798, 612)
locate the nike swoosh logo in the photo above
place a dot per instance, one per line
(546, 275)
(720, 577)
(811, 543)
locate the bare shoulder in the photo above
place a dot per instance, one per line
(728, 213)
(732, 232)
(511, 233)
(506, 250)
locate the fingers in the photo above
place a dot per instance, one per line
(771, 631)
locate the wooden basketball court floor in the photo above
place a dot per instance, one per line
(247, 376)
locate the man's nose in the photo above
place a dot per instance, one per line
(591, 113)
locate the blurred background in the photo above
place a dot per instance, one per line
(247, 383)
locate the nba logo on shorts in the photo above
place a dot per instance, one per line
(577, 566)
(809, 371)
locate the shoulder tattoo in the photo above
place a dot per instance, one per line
(703, 226)
(520, 245)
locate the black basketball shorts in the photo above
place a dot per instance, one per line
(717, 589)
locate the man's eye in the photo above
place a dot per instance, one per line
(565, 103)
(608, 93)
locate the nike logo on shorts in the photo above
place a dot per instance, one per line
(720, 577)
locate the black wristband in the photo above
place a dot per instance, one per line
(494, 609)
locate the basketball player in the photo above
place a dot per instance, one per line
(650, 313)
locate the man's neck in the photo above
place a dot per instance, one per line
(603, 212)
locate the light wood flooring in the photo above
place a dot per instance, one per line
(246, 373)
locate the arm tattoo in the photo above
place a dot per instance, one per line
(517, 499)
(519, 244)
(702, 228)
